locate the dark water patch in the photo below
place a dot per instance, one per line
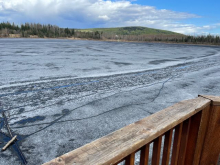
(107, 67)
(34, 104)
(22, 89)
(85, 55)
(64, 58)
(30, 120)
(156, 62)
(2, 123)
(184, 85)
(57, 115)
(23, 70)
(181, 58)
(122, 63)
(19, 51)
(65, 111)
(210, 54)
(72, 51)
(100, 55)
(56, 68)
(12, 70)
(98, 50)
(87, 70)
(50, 65)
(21, 110)
(182, 65)
(61, 102)
(32, 52)
(24, 55)
(43, 102)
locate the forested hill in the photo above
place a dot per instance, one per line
(142, 34)
(133, 30)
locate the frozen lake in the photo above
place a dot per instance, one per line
(61, 94)
(40, 59)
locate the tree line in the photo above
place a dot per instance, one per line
(52, 31)
(170, 38)
(41, 31)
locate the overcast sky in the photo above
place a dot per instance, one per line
(183, 16)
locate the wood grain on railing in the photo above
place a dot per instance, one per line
(191, 120)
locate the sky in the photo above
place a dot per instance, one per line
(192, 17)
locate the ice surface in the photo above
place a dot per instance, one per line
(56, 99)
(37, 59)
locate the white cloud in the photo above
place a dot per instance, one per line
(96, 13)
(192, 29)
(104, 17)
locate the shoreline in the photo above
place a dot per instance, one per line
(110, 40)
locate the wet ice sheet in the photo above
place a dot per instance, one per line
(40, 59)
(52, 118)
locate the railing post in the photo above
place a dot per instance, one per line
(211, 147)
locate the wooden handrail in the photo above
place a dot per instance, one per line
(191, 121)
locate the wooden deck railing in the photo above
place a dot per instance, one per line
(185, 133)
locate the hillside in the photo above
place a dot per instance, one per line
(133, 33)
(133, 30)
